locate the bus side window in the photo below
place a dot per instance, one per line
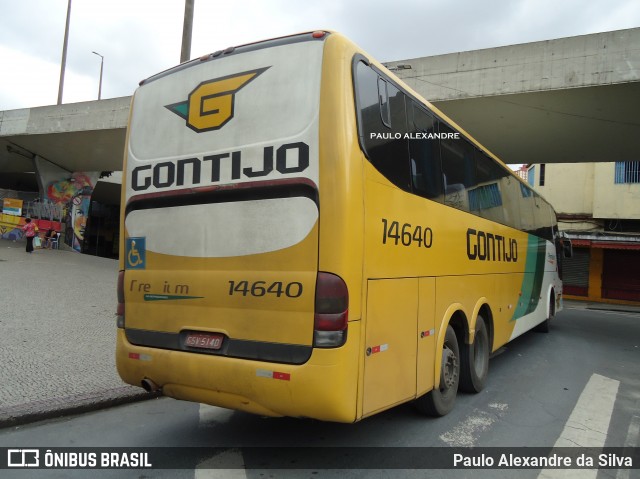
(386, 147)
(544, 218)
(426, 170)
(458, 169)
(487, 199)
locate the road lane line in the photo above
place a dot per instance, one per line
(632, 441)
(589, 421)
(588, 424)
(634, 433)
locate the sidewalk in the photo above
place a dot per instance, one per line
(622, 308)
(57, 334)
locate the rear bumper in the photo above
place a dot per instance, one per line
(324, 388)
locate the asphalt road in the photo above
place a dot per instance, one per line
(577, 385)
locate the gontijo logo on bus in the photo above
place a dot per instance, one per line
(210, 105)
(290, 158)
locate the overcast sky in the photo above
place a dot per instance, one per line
(141, 37)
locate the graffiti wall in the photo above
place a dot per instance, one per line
(64, 200)
(11, 226)
(75, 194)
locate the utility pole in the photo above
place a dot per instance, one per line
(64, 54)
(187, 27)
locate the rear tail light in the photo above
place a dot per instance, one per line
(331, 311)
(120, 310)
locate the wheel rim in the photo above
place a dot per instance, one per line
(449, 374)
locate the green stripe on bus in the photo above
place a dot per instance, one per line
(534, 274)
(167, 297)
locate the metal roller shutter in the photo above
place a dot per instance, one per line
(575, 272)
(621, 274)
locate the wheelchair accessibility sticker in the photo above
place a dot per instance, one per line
(136, 253)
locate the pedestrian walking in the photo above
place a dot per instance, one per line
(30, 229)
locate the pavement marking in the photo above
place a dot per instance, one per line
(632, 441)
(208, 413)
(634, 433)
(207, 469)
(588, 424)
(502, 407)
(466, 433)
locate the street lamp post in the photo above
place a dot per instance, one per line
(63, 63)
(187, 27)
(101, 65)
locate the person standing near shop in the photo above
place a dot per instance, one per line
(49, 238)
(30, 229)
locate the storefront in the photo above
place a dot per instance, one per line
(603, 269)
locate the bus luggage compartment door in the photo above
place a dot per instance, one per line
(390, 345)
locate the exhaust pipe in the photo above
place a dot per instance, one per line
(150, 386)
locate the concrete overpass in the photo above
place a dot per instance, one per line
(567, 100)
(87, 136)
(559, 101)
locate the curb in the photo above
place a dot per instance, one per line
(618, 309)
(59, 407)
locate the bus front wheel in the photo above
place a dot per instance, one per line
(439, 401)
(543, 327)
(475, 360)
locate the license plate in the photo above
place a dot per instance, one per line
(204, 340)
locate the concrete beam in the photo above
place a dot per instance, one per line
(86, 136)
(582, 61)
(83, 116)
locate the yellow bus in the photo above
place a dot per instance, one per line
(304, 235)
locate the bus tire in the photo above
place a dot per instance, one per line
(543, 327)
(439, 401)
(474, 365)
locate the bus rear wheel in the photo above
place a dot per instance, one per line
(475, 360)
(439, 401)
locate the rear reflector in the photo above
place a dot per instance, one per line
(331, 311)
